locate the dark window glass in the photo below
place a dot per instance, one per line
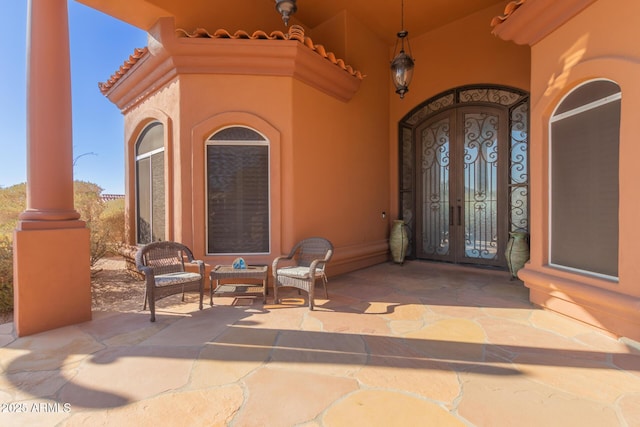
(238, 197)
(143, 185)
(150, 199)
(584, 181)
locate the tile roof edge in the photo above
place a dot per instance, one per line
(529, 21)
(511, 7)
(138, 53)
(296, 33)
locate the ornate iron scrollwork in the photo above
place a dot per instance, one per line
(481, 145)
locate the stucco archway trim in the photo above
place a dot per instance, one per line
(148, 116)
(606, 304)
(624, 72)
(200, 133)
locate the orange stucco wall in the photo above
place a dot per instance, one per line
(192, 108)
(260, 104)
(52, 283)
(340, 158)
(599, 42)
(334, 160)
(329, 166)
(461, 53)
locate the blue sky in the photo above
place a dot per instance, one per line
(99, 45)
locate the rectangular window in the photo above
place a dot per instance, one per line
(238, 197)
(144, 195)
(157, 196)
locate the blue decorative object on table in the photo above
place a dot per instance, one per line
(239, 263)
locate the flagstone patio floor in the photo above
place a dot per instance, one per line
(420, 344)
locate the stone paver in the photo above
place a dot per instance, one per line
(515, 400)
(122, 375)
(280, 397)
(233, 355)
(214, 407)
(386, 408)
(417, 344)
(393, 365)
(450, 339)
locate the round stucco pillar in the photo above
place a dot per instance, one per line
(49, 133)
(51, 269)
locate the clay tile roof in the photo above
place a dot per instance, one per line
(296, 32)
(124, 68)
(508, 11)
(224, 34)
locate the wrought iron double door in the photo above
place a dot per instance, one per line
(462, 189)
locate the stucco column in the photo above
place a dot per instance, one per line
(49, 133)
(52, 281)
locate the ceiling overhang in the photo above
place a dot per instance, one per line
(526, 22)
(383, 18)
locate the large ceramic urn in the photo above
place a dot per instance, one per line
(517, 252)
(398, 241)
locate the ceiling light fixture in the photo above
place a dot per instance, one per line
(286, 8)
(402, 64)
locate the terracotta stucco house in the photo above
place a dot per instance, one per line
(243, 136)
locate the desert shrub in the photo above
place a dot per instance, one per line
(105, 221)
(6, 275)
(90, 206)
(13, 200)
(12, 203)
(112, 219)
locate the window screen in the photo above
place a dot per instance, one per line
(584, 180)
(150, 200)
(238, 192)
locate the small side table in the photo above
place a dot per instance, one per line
(222, 272)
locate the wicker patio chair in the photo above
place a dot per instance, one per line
(305, 263)
(163, 266)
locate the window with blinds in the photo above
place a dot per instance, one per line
(584, 158)
(237, 192)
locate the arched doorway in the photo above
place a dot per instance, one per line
(464, 174)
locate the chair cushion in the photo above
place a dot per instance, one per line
(176, 278)
(300, 272)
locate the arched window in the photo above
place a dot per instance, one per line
(150, 199)
(238, 216)
(584, 191)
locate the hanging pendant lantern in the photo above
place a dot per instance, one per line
(402, 64)
(286, 8)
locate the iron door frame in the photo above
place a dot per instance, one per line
(458, 209)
